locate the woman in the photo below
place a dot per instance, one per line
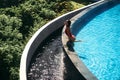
(68, 32)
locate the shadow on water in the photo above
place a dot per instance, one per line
(51, 63)
(70, 45)
(82, 57)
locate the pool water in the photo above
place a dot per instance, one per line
(100, 46)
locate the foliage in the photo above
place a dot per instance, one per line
(11, 46)
(65, 6)
(48, 14)
(9, 27)
(19, 20)
(8, 3)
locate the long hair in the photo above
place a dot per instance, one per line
(69, 22)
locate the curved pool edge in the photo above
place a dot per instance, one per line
(41, 35)
(73, 55)
(83, 70)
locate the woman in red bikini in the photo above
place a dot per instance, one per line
(68, 32)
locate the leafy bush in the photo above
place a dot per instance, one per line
(47, 13)
(19, 20)
(11, 46)
(17, 25)
(9, 3)
(9, 27)
(63, 7)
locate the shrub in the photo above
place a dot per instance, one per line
(9, 3)
(47, 13)
(19, 20)
(63, 7)
(11, 47)
(9, 27)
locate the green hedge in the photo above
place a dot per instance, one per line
(19, 20)
(9, 3)
(11, 46)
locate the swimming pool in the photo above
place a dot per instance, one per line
(100, 46)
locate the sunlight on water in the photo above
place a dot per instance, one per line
(100, 49)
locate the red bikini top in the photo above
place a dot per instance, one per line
(69, 34)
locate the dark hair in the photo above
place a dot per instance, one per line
(69, 22)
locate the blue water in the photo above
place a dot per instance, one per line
(100, 46)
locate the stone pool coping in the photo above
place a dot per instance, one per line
(73, 55)
(41, 35)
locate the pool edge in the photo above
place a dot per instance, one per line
(73, 55)
(39, 36)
